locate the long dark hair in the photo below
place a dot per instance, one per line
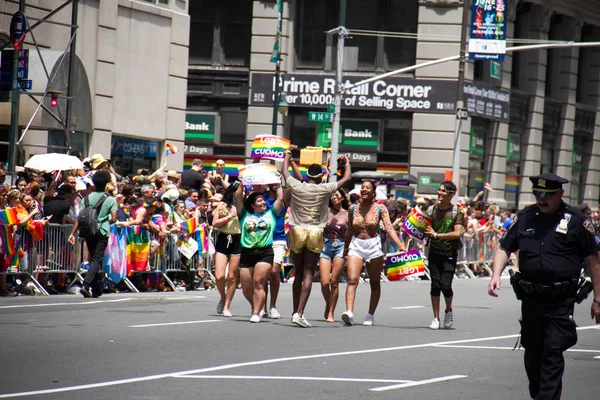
(345, 201)
(251, 199)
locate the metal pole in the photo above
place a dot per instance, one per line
(460, 97)
(277, 67)
(70, 88)
(335, 127)
(14, 109)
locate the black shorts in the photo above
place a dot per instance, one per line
(228, 244)
(251, 257)
(441, 269)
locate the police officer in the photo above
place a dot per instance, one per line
(553, 239)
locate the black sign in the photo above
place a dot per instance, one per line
(487, 102)
(391, 94)
(362, 158)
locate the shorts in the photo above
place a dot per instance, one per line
(306, 237)
(441, 270)
(333, 248)
(250, 257)
(228, 244)
(279, 249)
(367, 249)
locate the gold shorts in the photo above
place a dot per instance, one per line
(306, 238)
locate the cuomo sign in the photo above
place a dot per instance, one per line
(391, 94)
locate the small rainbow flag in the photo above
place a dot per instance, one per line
(269, 146)
(8, 216)
(402, 265)
(36, 228)
(511, 184)
(415, 224)
(202, 239)
(188, 226)
(8, 242)
(170, 149)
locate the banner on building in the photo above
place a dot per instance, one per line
(391, 94)
(477, 142)
(201, 127)
(513, 148)
(354, 134)
(489, 103)
(488, 30)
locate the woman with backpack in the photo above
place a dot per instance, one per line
(101, 208)
(363, 245)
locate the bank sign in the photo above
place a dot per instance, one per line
(391, 94)
(200, 127)
(353, 134)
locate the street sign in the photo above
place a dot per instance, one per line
(25, 84)
(331, 108)
(462, 113)
(315, 116)
(18, 27)
(496, 70)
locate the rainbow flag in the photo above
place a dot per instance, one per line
(8, 216)
(511, 184)
(269, 146)
(138, 249)
(210, 164)
(170, 149)
(8, 242)
(415, 224)
(188, 226)
(36, 229)
(402, 265)
(393, 168)
(202, 239)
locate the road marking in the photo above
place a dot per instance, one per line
(292, 378)
(254, 363)
(447, 346)
(418, 383)
(67, 304)
(407, 307)
(175, 323)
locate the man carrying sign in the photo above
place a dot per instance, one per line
(444, 234)
(308, 216)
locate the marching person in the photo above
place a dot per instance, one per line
(363, 245)
(447, 224)
(553, 239)
(308, 216)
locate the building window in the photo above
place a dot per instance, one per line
(220, 32)
(548, 146)
(157, 2)
(302, 132)
(366, 53)
(233, 127)
(396, 136)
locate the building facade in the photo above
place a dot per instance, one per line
(130, 79)
(537, 111)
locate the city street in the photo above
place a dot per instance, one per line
(173, 345)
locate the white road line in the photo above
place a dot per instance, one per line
(292, 378)
(175, 323)
(407, 307)
(418, 383)
(253, 363)
(67, 304)
(447, 346)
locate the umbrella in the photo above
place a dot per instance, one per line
(53, 162)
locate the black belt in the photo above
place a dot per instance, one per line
(553, 289)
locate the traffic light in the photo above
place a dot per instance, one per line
(54, 101)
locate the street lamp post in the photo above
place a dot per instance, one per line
(276, 58)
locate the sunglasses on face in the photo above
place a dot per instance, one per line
(543, 195)
(444, 191)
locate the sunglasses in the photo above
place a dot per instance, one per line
(543, 195)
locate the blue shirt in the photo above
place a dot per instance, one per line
(279, 233)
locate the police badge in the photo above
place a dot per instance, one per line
(587, 224)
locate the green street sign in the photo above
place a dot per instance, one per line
(425, 181)
(200, 127)
(331, 108)
(513, 148)
(354, 134)
(577, 162)
(477, 142)
(496, 70)
(315, 116)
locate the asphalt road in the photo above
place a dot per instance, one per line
(173, 345)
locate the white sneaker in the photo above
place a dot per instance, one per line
(274, 314)
(369, 320)
(300, 321)
(448, 320)
(255, 318)
(262, 313)
(227, 313)
(435, 324)
(220, 307)
(348, 318)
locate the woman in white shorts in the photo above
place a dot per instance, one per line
(363, 245)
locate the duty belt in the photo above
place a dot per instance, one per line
(553, 289)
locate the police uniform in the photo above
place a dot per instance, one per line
(552, 249)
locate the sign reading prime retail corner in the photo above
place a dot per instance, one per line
(391, 94)
(488, 30)
(487, 102)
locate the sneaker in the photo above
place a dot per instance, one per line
(274, 314)
(300, 321)
(369, 320)
(255, 319)
(435, 324)
(348, 318)
(448, 320)
(85, 292)
(262, 313)
(220, 307)
(227, 313)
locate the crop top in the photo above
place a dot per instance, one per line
(370, 222)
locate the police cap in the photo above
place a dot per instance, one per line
(545, 185)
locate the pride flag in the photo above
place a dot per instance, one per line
(138, 249)
(170, 149)
(115, 255)
(8, 216)
(402, 265)
(36, 229)
(202, 239)
(269, 146)
(8, 242)
(188, 226)
(416, 223)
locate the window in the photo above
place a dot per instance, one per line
(233, 127)
(303, 133)
(396, 135)
(158, 2)
(220, 32)
(365, 53)
(547, 161)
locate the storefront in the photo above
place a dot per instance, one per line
(129, 155)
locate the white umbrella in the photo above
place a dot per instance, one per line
(53, 162)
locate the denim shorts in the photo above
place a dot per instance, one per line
(333, 248)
